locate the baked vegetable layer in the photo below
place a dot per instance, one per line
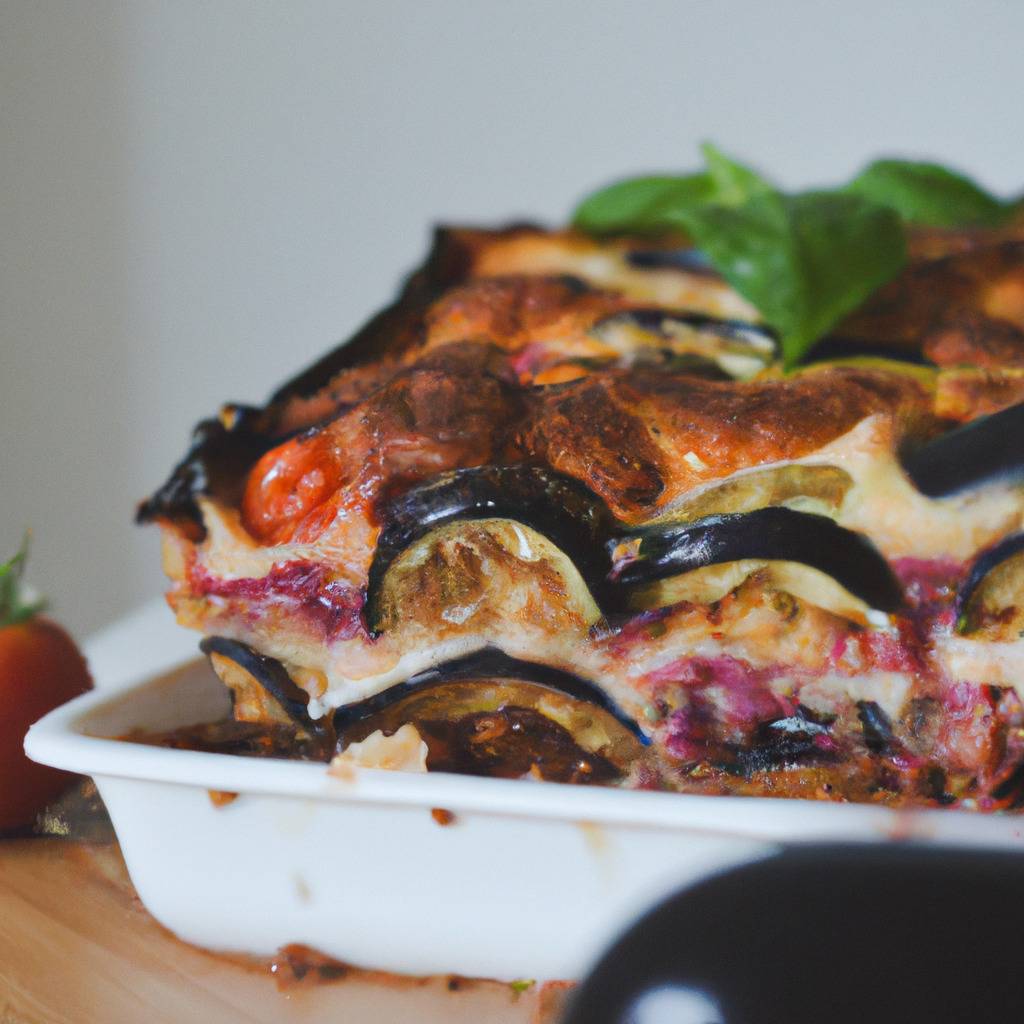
(701, 572)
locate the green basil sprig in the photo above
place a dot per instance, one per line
(642, 206)
(804, 260)
(929, 194)
(655, 204)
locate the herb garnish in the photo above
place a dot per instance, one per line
(929, 194)
(806, 259)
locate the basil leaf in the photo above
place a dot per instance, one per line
(804, 261)
(652, 205)
(733, 183)
(642, 206)
(928, 194)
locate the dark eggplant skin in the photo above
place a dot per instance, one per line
(220, 453)
(448, 262)
(772, 533)
(559, 507)
(691, 261)
(833, 347)
(985, 450)
(223, 450)
(983, 565)
(488, 663)
(653, 319)
(778, 744)
(271, 675)
(877, 729)
(732, 339)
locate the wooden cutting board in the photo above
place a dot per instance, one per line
(77, 947)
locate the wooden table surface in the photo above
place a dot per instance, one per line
(77, 947)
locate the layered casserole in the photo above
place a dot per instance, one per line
(560, 513)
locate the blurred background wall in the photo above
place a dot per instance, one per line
(197, 198)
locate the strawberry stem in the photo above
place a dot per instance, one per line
(15, 607)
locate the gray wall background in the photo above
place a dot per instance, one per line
(197, 198)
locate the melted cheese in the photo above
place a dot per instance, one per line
(884, 505)
(902, 522)
(403, 751)
(607, 267)
(982, 661)
(230, 552)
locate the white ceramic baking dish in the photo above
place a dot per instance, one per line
(530, 880)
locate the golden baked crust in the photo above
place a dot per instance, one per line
(425, 375)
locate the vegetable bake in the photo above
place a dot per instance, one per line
(720, 490)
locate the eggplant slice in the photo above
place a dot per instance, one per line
(272, 678)
(560, 508)
(693, 342)
(491, 715)
(220, 453)
(488, 663)
(689, 261)
(812, 488)
(985, 450)
(465, 572)
(775, 534)
(994, 586)
(836, 347)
